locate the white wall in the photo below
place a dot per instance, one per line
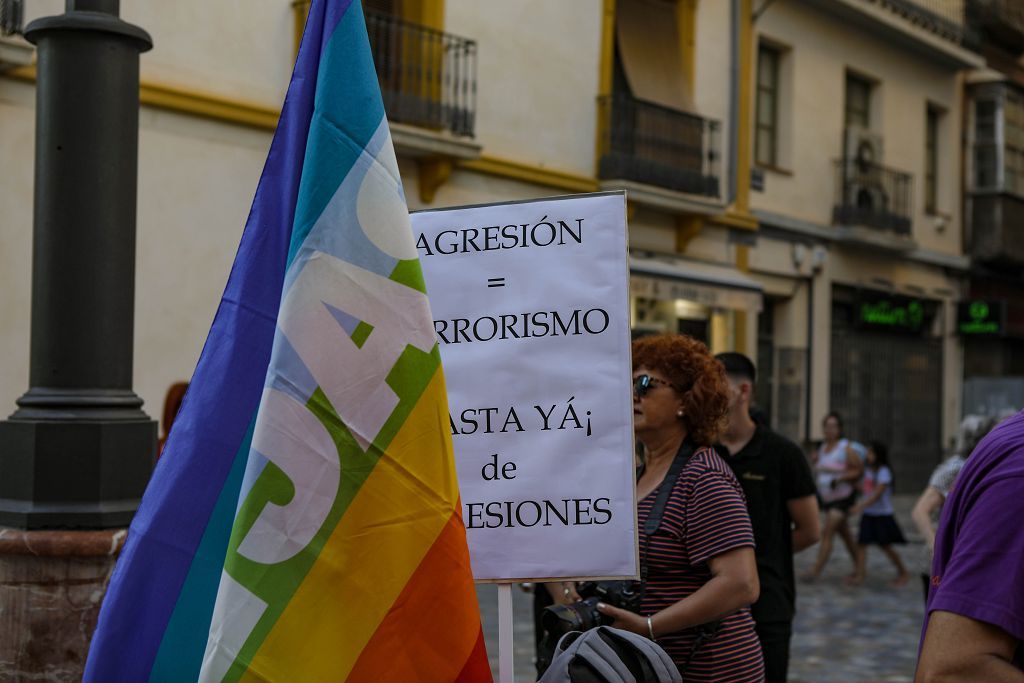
(537, 78)
(196, 183)
(711, 73)
(17, 153)
(241, 49)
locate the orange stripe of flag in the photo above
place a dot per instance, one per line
(477, 667)
(432, 631)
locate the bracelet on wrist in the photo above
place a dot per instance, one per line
(650, 628)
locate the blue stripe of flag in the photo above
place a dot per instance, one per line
(211, 432)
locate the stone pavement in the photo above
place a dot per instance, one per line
(864, 633)
(867, 633)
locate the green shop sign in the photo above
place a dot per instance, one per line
(906, 315)
(980, 317)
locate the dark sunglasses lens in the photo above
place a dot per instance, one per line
(641, 385)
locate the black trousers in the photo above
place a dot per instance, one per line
(774, 637)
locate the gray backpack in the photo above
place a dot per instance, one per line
(609, 655)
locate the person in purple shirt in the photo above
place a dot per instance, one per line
(974, 621)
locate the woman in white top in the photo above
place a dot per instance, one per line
(837, 468)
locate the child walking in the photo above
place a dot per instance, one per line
(877, 523)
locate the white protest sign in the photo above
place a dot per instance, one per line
(531, 309)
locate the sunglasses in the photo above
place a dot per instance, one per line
(644, 383)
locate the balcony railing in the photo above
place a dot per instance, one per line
(946, 18)
(999, 21)
(427, 77)
(655, 145)
(997, 230)
(874, 196)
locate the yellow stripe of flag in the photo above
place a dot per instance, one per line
(390, 525)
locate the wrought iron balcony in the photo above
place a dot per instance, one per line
(997, 229)
(427, 77)
(651, 144)
(945, 18)
(999, 21)
(871, 195)
(11, 14)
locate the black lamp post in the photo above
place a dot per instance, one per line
(78, 451)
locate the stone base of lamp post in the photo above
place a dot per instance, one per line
(51, 586)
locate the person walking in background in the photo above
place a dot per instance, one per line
(973, 429)
(779, 490)
(838, 469)
(878, 524)
(974, 621)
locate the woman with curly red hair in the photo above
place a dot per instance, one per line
(698, 568)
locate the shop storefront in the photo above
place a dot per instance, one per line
(991, 326)
(702, 300)
(887, 376)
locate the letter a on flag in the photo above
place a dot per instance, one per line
(303, 523)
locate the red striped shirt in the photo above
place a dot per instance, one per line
(705, 516)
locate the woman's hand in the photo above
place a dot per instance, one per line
(624, 619)
(563, 592)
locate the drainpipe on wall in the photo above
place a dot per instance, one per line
(734, 98)
(810, 359)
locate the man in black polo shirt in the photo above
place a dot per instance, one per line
(779, 488)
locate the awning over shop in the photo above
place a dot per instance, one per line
(715, 286)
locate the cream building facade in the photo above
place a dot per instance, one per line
(492, 101)
(861, 245)
(211, 90)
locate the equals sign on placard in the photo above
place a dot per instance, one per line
(495, 282)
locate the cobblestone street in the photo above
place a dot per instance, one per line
(866, 633)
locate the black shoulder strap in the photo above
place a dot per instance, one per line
(704, 631)
(666, 486)
(658, 509)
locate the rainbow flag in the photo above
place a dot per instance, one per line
(304, 522)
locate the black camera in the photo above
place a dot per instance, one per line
(583, 615)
